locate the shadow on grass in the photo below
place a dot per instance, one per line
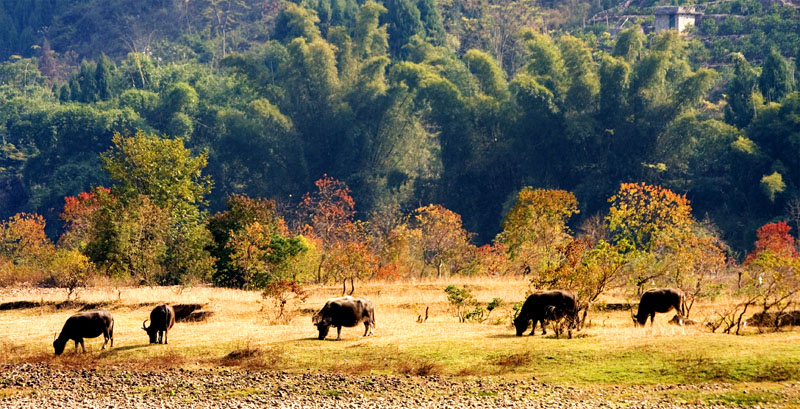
(506, 336)
(124, 348)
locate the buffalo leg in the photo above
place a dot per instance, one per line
(76, 345)
(533, 330)
(652, 319)
(366, 328)
(338, 333)
(544, 327)
(165, 336)
(83, 347)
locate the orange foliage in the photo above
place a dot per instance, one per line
(445, 243)
(640, 212)
(774, 237)
(78, 213)
(25, 250)
(492, 259)
(330, 210)
(22, 239)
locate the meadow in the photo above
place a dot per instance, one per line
(241, 331)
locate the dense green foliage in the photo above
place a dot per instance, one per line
(408, 102)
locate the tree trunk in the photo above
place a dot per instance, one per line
(352, 285)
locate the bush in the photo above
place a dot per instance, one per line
(466, 307)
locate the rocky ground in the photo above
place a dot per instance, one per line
(44, 386)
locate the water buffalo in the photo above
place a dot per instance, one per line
(659, 300)
(82, 325)
(162, 318)
(547, 305)
(345, 312)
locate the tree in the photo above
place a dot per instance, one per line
(47, 64)
(535, 231)
(125, 239)
(103, 77)
(640, 213)
(445, 243)
(641, 218)
(630, 45)
(70, 269)
(224, 16)
(160, 168)
(252, 246)
(283, 292)
(24, 242)
(776, 79)
(402, 22)
(171, 177)
(328, 214)
(773, 269)
(741, 105)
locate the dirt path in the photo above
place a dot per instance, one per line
(43, 386)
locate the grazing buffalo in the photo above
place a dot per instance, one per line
(345, 312)
(162, 318)
(659, 300)
(82, 325)
(547, 305)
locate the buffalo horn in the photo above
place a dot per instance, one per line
(143, 326)
(55, 336)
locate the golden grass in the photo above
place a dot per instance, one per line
(239, 333)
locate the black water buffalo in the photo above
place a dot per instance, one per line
(162, 318)
(659, 300)
(345, 312)
(547, 305)
(82, 325)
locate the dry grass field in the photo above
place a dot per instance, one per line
(240, 333)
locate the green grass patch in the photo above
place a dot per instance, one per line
(332, 393)
(745, 398)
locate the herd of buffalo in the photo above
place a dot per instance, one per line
(539, 307)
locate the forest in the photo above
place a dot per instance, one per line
(248, 143)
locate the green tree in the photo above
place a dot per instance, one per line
(168, 173)
(741, 105)
(776, 79)
(103, 77)
(403, 22)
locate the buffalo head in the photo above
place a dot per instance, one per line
(323, 326)
(58, 345)
(521, 324)
(152, 333)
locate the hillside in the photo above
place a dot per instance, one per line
(408, 102)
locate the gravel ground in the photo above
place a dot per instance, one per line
(43, 386)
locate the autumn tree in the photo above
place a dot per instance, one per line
(70, 269)
(640, 217)
(345, 252)
(25, 249)
(328, 214)
(445, 243)
(535, 232)
(694, 261)
(773, 268)
(23, 240)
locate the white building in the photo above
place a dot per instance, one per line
(675, 18)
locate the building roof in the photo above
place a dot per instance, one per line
(669, 10)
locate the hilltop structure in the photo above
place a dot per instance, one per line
(675, 18)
